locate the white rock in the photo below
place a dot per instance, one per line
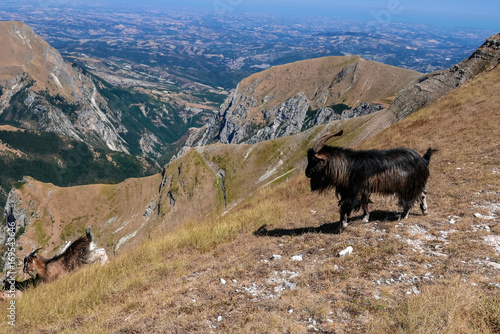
(415, 290)
(297, 257)
(222, 281)
(275, 257)
(346, 251)
(493, 264)
(219, 318)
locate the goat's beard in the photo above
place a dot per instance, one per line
(31, 273)
(319, 183)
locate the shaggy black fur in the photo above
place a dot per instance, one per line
(357, 174)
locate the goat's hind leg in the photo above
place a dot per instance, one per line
(423, 202)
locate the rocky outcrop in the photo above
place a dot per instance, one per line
(363, 109)
(230, 125)
(289, 119)
(14, 206)
(149, 143)
(437, 84)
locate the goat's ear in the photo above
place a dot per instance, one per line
(321, 157)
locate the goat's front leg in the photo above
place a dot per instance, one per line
(365, 200)
(406, 211)
(345, 211)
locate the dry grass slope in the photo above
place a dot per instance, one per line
(371, 80)
(432, 274)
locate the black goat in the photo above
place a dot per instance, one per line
(357, 174)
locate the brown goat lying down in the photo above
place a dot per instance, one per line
(82, 251)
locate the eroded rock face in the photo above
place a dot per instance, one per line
(437, 84)
(288, 120)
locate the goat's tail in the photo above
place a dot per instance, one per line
(428, 154)
(90, 235)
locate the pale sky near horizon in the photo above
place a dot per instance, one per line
(475, 14)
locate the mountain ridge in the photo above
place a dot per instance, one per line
(290, 98)
(434, 85)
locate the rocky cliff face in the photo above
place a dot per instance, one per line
(288, 99)
(437, 84)
(43, 92)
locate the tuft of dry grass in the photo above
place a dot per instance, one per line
(447, 307)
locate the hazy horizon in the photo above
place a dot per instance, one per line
(483, 14)
(478, 14)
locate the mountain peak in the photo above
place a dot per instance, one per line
(287, 99)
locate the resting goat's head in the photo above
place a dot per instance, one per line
(31, 263)
(317, 162)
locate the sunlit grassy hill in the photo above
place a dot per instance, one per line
(210, 272)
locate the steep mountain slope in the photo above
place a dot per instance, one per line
(427, 274)
(290, 98)
(287, 99)
(80, 129)
(64, 161)
(27, 61)
(41, 91)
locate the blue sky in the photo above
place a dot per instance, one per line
(476, 14)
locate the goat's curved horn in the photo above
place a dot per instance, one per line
(322, 141)
(34, 252)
